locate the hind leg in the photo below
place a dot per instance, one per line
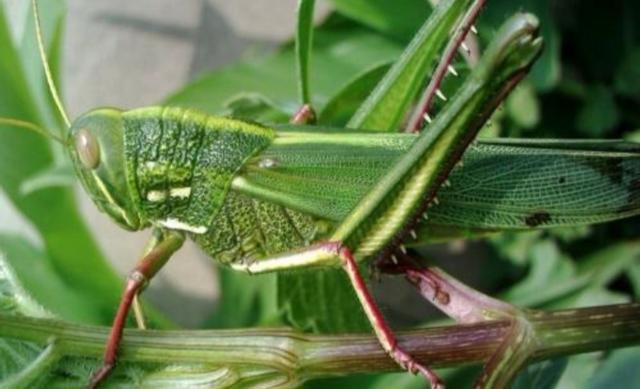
(332, 254)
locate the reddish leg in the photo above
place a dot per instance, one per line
(333, 253)
(134, 282)
(148, 266)
(305, 115)
(383, 332)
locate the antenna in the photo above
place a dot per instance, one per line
(45, 65)
(31, 127)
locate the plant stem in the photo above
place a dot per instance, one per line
(582, 330)
(557, 333)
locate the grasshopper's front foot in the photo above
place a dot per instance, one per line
(164, 244)
(406, 361)
(136, 280)
(100, 375)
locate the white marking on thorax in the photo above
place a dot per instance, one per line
(182, 193)
(156, 196)
(175, 224)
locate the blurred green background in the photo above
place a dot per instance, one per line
(212, 55)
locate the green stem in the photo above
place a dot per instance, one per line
(556, 333)
(574, 331)
(510, 357)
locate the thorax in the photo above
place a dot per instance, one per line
(180, 163)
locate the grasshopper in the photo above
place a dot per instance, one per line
(264, 198)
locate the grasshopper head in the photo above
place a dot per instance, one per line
(96, 145)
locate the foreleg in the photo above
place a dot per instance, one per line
(167, 244)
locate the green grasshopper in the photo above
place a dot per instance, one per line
(264, 198)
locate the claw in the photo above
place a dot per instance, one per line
(407, 362)
(100, 375)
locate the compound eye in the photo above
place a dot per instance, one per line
(88, 149)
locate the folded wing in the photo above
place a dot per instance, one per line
(501, 184)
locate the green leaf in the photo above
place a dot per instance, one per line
(28, 269)
(551, 276)
(634, 276)
(571, 234)
(556, 282)
(252, 106)
(245, 300)
(516, 247)
(603, 266)
(61, 175)
(541, 375)
(345, 103)
(545, 74)
(627, 81)
(588, 297)
(599, 112)
(339, 54)
(52, 211)
(399, 19)
(620, 370)
(322, 301)
(523, 106)
(304, 39)
(596, 271)
(579, 371)
(24, 364)
(633, 136)
(346, 382)
(386, 106)
(14, 298)
(399, 381)
(15, 357)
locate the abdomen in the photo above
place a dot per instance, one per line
(247, 228)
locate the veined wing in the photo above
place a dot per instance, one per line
(529, 183)
(501, 184)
